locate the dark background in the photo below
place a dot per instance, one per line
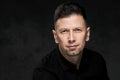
(25, 34)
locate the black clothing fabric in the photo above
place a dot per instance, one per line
(55, 67)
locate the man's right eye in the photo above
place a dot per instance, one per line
(64, 31)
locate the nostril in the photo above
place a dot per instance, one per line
(71, 41)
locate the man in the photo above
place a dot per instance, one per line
(70, 60)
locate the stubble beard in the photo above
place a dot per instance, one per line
(71, 53)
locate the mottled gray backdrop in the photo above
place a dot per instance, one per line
(26, 36)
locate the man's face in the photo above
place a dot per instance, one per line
(70, 34)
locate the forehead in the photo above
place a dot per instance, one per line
(71, 21)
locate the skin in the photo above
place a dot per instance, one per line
(71, 34)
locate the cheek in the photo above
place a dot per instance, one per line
(81, 38)
(62, 40)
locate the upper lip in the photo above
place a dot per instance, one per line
(72, 45)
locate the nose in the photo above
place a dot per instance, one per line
(71, 38)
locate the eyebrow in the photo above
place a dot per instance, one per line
(63, 29)
(73, 28)
(68, 29)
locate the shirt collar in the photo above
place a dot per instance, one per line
(68, 66)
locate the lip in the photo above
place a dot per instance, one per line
(72, 46)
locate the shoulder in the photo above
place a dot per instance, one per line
(44, 70)
(95, 61)
(96, 64)
(49, 60)
(93, 55)
(41, 74)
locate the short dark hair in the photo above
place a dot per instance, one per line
(68, 8)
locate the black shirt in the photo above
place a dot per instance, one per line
(55, 67)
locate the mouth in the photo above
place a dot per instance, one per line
(72, 47)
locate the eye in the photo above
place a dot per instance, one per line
(64, 31)
(77, 30)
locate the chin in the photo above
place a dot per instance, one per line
(73, 53)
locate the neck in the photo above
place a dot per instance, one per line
(74, 59)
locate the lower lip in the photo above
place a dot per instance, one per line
(72, 47)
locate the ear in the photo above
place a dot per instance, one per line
(88, 34)
(55, 36)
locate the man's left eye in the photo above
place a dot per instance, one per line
(77, 30)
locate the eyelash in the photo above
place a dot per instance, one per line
(64, 31)
(75, 30)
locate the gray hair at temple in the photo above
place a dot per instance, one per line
(67, 9)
